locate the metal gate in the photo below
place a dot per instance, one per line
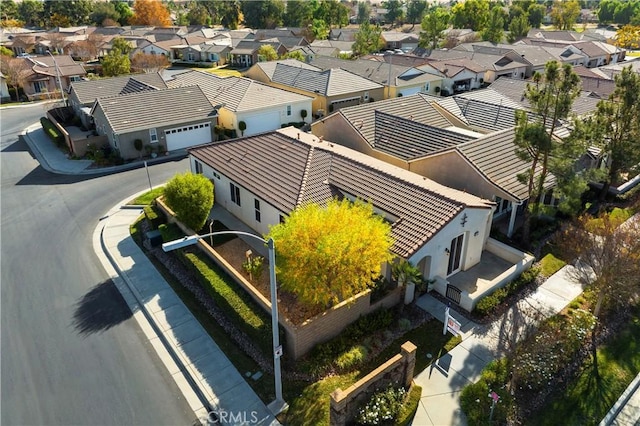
(453, 293)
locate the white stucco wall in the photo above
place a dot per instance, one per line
(478, 220)
(269, 215)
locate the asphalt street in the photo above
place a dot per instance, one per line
(71, 351)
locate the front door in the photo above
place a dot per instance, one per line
(455, 254)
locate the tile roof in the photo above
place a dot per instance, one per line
(486, 115)
(417, 108)
(131, 112)
(332, 82)
(407, 139)
(88, 91)
(47, 66)
(236, 93)
(269, 67)
(494, 156)
(302, 169)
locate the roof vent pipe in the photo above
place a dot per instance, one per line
(298, 135)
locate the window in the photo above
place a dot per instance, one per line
(426, 87)
(288, 110)
(256, 204)
(281, 219)
(198, 166)
(39, 86)
(455, 254)
(75, 78)
(115, 141)
(235, 193)
(153, 136)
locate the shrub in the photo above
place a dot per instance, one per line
(550, 264)
(190, 196)
(52, 131)
(476, 403)
(490, 302)
(352, 358)
(154, 216)
(253, 266)
(383, 407)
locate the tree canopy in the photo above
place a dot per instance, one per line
(472, 14)
(190, 196)
(494, 31)
(368, 39)
(115, 63)
(263, 14)
(150, 12)
(327, 254)
(564, 14)
(433, 26)
(551, 97)
(267, 52)
(615, 128)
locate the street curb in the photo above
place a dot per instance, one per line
(621, 402)
(193, 395)
(91, 172)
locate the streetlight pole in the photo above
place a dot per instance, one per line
(55, 64)
(278, 405)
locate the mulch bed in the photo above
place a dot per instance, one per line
(234, 251)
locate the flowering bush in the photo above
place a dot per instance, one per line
(383, 407)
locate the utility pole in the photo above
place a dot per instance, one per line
(55, 64)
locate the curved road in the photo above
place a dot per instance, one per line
(71, 351)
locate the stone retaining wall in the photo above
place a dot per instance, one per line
(397, 371)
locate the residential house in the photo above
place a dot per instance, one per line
(428, 135)
(458, 75)
(4, 89)
(331, 89)
(399, 40)
(399, 80)
(245, 54)
(332, 47)
(261, 107)
(343, 34)
(166, 120)
(83, 94)
(47, 73)
(441, 230)
(496, 62)
(207, 53)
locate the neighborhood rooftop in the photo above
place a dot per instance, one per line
(303, 168)
(131, 112)
(235, 93)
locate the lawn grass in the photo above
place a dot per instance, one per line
(587, 398)
(148, 197)
(633, 53)
(550, 264)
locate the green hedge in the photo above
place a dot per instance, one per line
(52, 131)
(493, 300)
(233, 300)
(154, 216)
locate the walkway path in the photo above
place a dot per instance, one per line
(445, 379)
(208, 379)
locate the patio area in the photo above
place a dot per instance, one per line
(499, 264)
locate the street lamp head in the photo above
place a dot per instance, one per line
(182, 242)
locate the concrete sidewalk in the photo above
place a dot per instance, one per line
(444, 380)
(207, 378)
(53, 160)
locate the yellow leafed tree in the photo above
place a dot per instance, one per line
(150, 12)
(628, 37)
(327, 254)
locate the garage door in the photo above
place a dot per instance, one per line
(186, 136)
(262, 123)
